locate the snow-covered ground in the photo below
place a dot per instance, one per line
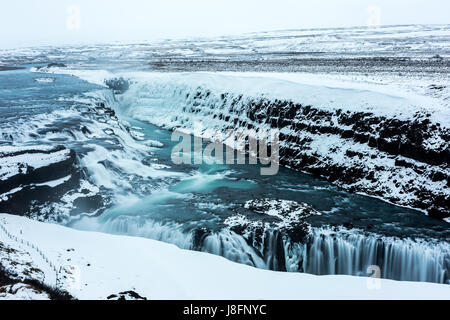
(415, 57)
(98, 265)
(325, 91)
(396, 41)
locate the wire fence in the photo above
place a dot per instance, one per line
(36, 248)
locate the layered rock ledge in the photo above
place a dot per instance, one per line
(33, 176)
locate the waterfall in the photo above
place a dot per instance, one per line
(350, 253)
(233, 247)
(138, 227)
(324, 252)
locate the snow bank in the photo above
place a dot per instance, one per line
(108, 264)
(308, 89)
(326, 92)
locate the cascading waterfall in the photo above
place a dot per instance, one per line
(398, 259)
(224, 243)
(139, 227)
(345, 252)
(325, 252)
(272, 246)
(233, 247)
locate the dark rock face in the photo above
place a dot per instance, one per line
(50, 66)
(119, 85)
(56, 65)
(32, 176)
(403, 161)
(40, 173)
(126, 295)
(288, 216)
(11, 282)
(274, 225)
(198, 237)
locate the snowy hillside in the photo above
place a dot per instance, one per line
(99, 265)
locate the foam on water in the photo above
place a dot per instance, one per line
(205, 183)
(142, 207)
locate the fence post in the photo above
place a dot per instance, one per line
(31, 245)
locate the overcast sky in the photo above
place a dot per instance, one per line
(53, 22)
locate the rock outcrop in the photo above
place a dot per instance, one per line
(33, 176)
(272, 226)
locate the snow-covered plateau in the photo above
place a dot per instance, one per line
(97, 266)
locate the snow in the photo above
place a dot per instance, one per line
(137, 135)
(95, 78)
(10, 164)
(107, 264)
(45, 80)
(4, 196)
(153, 143)
(54, 183)
(20, 291)
(325, 91)
(415, 41)
(20, 262)
(12, 149)
(287, 212)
